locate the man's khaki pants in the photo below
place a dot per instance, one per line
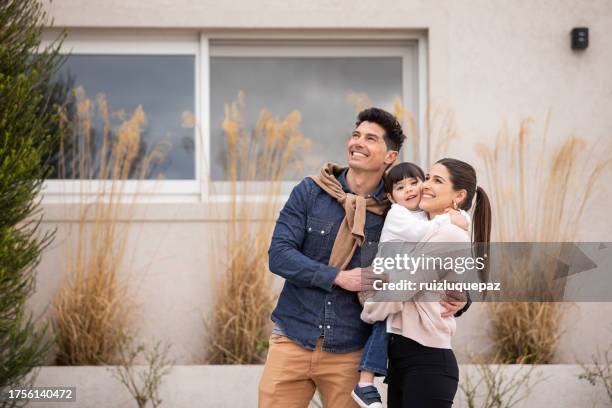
(292, 373)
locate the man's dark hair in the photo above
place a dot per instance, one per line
(394, 135)
(400, 172)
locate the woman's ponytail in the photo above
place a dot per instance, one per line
(481, 230)
(482, 218)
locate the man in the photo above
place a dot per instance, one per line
(316, 246)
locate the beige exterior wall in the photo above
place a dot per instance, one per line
(492, 62)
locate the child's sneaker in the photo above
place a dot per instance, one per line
(367, 397)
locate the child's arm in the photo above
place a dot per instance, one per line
(403, 225)
(378, 311)
(459, 217)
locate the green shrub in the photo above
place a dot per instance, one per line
(29, 128)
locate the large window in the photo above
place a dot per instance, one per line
(192, 75)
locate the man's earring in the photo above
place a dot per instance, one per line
(455, 205)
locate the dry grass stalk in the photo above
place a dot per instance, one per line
(525, 332)
(408, 122)
(359, 100)
(92, 308)
(441, 130)
(537, 197)
(240, 324)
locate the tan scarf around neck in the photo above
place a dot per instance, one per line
(351, 233)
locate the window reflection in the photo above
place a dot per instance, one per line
(319, 88)
(165, 87)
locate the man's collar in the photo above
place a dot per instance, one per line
(378, 194)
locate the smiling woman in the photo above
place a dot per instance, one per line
(438, 192)
(422, 368)
(453, 183)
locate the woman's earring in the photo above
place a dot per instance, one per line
(455, 205)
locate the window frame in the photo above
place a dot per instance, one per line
(406, 47)
(204, 45)
(90, 43)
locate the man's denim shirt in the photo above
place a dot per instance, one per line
(310, 305)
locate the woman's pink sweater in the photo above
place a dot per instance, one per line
(420, 318)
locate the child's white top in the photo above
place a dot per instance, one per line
(404, 225)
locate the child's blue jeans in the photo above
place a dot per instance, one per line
(374, 355)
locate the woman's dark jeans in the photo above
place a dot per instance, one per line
(420, 376)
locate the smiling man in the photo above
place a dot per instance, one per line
(316, 246)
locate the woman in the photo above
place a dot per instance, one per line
(423, 371)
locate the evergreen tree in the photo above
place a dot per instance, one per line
(30, 128)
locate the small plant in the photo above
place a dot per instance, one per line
(143, 386)
(496, 388)
(600, 372)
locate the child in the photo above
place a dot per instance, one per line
(404, 222)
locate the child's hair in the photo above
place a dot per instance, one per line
(400, 172)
